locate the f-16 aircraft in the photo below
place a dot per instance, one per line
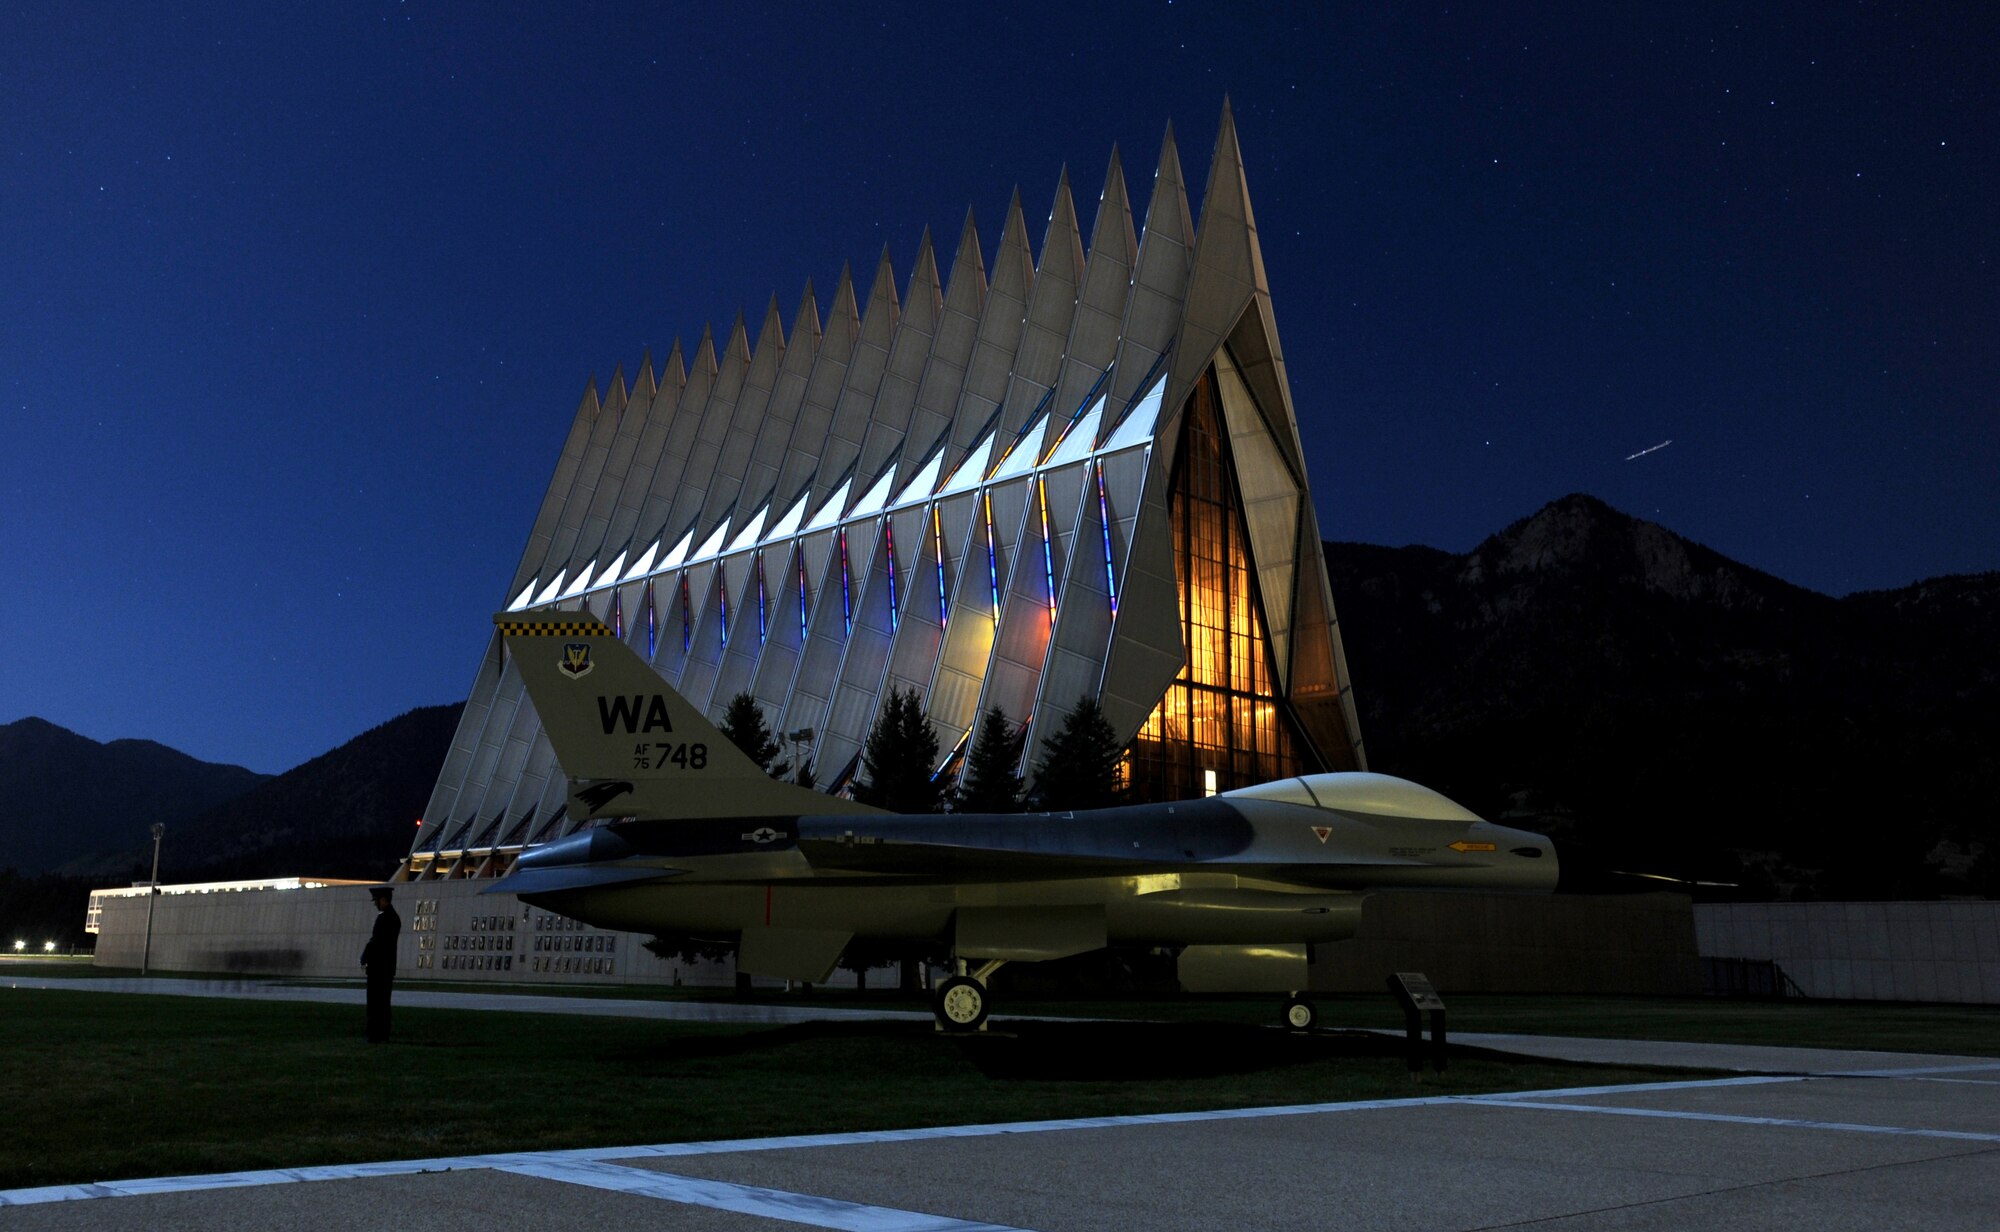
(703, 843)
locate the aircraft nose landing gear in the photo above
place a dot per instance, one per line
(961, 1002)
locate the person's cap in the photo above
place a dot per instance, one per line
(381, 891)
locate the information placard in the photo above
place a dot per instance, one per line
(1414, 987)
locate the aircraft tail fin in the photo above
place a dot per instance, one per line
(629, 743)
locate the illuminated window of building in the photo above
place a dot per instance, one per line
(687, 615)
(889, 531)
(1104, 513)
(1048, 549)
(937, 538)
(1221, 724)
(846, 600)
(802, 595)
(992, 559)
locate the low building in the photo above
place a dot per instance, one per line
(315, 928)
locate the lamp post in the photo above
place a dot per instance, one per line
(803, 736)
(152, 896)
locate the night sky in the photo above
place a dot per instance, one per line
(299, 300)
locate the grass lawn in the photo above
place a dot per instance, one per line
(1972, 1030)
(100, 1086)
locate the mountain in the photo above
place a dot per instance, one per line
(346, 813)
(63, 795)
(1605, 680)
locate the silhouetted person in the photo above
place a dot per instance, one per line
(378, 958)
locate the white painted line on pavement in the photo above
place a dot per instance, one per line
(809, 1209)
(1753, 1080)
(1731, 1119)
(333, 1172)
(1924, 1071)
(519, 1159)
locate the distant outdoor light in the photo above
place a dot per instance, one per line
(799, 739)
(19, 946)
(152, 897)
(48, 947)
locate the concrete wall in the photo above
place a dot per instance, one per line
(1647, 944)
(450, 932)
(1638, 944)
(1865, 951)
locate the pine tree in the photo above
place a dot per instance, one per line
(898, 759)
(992, 774)
(1079, 765)
(743, 723)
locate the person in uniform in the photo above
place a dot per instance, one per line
(378, 958)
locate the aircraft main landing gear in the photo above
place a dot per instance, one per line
(1299, 1013)
(961, 1002)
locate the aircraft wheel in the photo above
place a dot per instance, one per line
(960, 1003)
(1300, 1013)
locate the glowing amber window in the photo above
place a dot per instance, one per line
(1221, 724)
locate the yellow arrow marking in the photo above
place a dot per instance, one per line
(1462, 845)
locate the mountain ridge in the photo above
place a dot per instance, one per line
(347, 813)
(63, 793)
(1591, 673)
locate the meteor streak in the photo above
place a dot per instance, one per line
(1649, 449)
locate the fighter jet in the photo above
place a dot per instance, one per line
(698, 841)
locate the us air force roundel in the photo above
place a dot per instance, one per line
(576, 662)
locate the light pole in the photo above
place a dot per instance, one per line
(803, 736)
(152, 896)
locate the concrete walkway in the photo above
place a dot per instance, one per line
(1825, 1139)
(1747, 1058)
(1917, 1149)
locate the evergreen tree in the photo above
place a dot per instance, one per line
(1079, 765)
(743, 723)
(898, 759)
(992, 781)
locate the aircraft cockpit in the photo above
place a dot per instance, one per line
(1378, 795)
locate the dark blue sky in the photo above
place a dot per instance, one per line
(298, 300)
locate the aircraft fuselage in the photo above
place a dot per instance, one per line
(1230, 871)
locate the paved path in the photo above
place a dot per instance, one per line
(1917, 1149)
(1749, 1058)
(1829, 1140)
